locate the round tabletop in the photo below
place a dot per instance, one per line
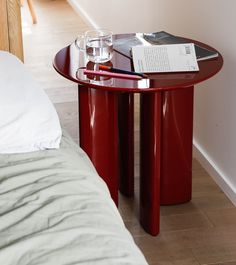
(70, 62)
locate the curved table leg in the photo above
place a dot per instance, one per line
(98, 123)
(166, 128)
(176, 154)
(150, 148)
(126, 143)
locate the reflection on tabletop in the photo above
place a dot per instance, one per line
(80, 61)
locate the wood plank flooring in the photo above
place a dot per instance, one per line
(200, 232)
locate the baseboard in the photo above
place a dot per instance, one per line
(214, 171)
(85, 16)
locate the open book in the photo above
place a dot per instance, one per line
(124, 46)
(165, 58)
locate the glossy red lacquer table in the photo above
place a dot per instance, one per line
(106, 122)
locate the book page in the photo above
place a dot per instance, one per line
(165, 58)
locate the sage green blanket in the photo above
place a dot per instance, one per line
(55, 209)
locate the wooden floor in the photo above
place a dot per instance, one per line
(200, 232)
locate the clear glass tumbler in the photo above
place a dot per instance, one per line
(99, 45)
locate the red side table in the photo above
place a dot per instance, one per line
(166, 129)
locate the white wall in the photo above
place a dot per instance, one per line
(120, 16)
(212, 22)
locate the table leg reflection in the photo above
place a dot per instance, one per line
(176, 140)
(150, 150)
(166, 131)
(98, 123)
(126, 143)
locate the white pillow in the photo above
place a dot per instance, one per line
(28, 120)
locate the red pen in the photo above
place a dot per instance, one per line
(116, 70)
(111, 74)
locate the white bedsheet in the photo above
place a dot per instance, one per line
(54, 209)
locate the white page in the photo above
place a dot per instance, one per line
(165, 58)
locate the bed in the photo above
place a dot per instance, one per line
(54, 208)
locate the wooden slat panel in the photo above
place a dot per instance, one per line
(4, 41)
(14, 28)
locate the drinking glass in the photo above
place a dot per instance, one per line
(97, 44)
